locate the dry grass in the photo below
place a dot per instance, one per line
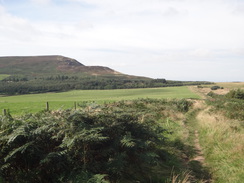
(223, 146)
(184, 178)
(204, 91)
(227, 86)
(174, 115)
(231, 85)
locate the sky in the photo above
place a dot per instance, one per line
(190, 40)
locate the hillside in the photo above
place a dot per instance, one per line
(54, 64)
(40, 74)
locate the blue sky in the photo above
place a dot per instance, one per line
(171, 39)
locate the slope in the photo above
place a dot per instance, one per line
(53, 64)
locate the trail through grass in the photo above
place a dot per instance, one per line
(221, 136)
(35, 102)
(223, 146)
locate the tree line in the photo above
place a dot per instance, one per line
(26, 85)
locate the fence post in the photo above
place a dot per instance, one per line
(47, 106)
(4, 112)
(75, 105)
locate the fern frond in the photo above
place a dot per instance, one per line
(20, 149)
(53, 156)
(5, 166)
(98, 178)
(127, 140)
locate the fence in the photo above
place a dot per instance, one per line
(5, 111)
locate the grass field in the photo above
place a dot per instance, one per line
(229, 85)
(22, 104)
(2, 76)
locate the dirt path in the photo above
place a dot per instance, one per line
(197, 164)
(194, 89)
(199, 157)
(198, 105)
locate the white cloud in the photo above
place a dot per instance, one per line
(201, 53)
(238, 51)
(41, 2)
(14, 28)
(122, 34)
(201, 24)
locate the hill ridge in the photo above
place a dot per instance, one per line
(48, 64)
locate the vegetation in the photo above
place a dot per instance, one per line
(222, 135)
(236, 94)
(222, 141)
(20, 84)
(3, 76)
(113, 135)
(215, 87)
(122, 135)
(37, 65)
(22, 104)
(232, 85)
(125, 141)
(231, 105)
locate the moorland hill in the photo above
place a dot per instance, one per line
(52, 64)
(40, 74)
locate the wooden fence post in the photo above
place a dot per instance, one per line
(75, 105)
(4, 112)
(47, 106)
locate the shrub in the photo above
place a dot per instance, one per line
(212, 94)
(236, 94)
(215, 87)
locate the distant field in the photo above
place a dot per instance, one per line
(2, 76)
(36, 102)
(228, 85)
(231, 85)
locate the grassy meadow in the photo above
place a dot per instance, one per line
(228, 85)
(231, 85)
(2, 76)
(22, 104)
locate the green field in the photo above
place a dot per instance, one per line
(22, 104)
(2, 76)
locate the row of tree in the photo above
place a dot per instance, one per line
(24, 85)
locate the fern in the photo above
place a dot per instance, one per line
(53, 156)
(127, 140)
(20, 149)
(117, 142)
(98, 178)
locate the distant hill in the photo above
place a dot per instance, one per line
(53, 64)
(40, 74)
